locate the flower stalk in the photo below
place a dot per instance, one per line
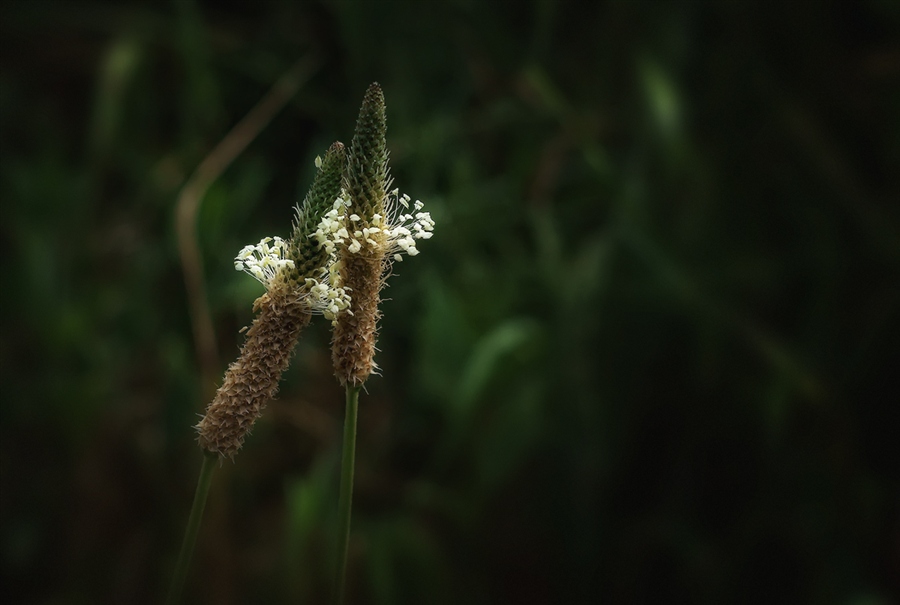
(297, 276)
(193, 528)
(345, 502)
(347, 233)
(369, 227)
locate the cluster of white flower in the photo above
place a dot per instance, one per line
(262, 261)
(392, 233)
(330, 299)
(266, 260)
(407, 227)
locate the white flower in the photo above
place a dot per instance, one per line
(326, 298)
(264, 262)
(393, 234)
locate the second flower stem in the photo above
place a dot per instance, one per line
(193, 527)
(348, 460)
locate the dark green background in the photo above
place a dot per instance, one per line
(650, 355)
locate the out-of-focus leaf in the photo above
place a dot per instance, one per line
(498, 344)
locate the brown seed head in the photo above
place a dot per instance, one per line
(353, 341)
(365, 181)
(252, 380)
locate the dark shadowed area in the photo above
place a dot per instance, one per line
(649, 356)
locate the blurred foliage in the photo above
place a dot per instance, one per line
(646, 358)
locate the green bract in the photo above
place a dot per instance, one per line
(308, 256)
(367, 178)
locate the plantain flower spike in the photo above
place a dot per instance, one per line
(369, 227)
(297, 276)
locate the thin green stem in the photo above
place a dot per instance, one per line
(348, 460)
(193, 527)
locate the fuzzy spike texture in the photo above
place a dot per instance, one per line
(366, 181)
(308, 256)
(367, 177)
(353, 345)
(252, 380)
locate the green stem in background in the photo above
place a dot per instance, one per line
(348, 459)
(193, 527)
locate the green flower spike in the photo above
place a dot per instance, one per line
(369, 227)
